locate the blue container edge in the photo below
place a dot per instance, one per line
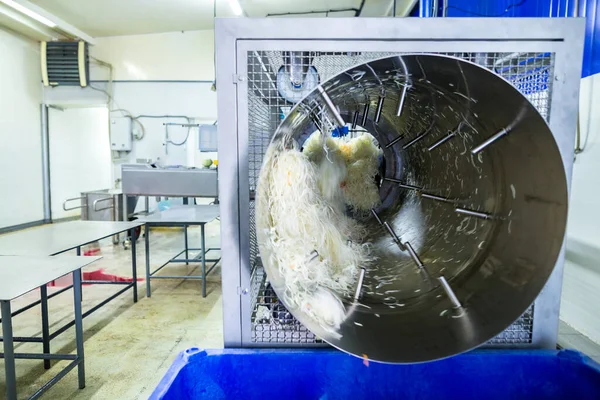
(181, 361)
(186, 356)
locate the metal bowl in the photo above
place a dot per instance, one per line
(474, 190)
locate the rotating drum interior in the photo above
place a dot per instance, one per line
(474, 204)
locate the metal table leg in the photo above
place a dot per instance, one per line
(134, 264)
(45, 323)
(80, 284)
(147, 238)
(79, 327)
(203, 249)
(9, 352)
(185, 234)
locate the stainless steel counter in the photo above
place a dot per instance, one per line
(22, 274)
(146, 180)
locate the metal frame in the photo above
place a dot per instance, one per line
(47, 337)
(201, 256)
(9, 354)
(27, 225)
(46, 163)
(235, 37)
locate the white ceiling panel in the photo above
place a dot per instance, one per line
(131, 17)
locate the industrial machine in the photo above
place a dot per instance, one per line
(65, 63)
(477, 128)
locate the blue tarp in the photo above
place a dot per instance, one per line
(587, 9)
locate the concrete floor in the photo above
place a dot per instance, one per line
(570, 338)
(128, 347)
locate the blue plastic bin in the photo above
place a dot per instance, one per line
(330, 374)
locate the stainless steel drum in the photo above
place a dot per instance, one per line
(474, 204)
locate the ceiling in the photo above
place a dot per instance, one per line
(131, 17)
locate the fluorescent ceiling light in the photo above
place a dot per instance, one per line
(29, 13)
(235, 7)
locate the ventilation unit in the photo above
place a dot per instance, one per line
(65, 63)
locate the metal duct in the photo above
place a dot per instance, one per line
(474, 205)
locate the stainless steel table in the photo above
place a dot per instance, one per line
(57, 238)
(183, 216)
(22, 274)
(53, 239)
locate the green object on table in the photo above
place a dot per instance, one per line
(207, 163)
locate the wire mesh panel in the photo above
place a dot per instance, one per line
(272, 323)
(518, 333)
(531, 73)
(269, 102)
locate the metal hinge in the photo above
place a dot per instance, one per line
(237, 78)
(241, 291)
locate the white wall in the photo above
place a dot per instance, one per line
(79, 155)
(191, 99)
(580, 305)
(175, 56)
(158, 74)
(20, 131)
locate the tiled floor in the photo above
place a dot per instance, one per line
(569, 338)
(128, 347)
